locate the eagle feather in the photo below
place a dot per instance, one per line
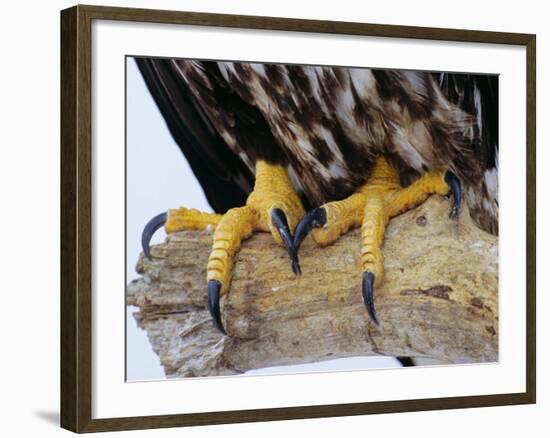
(327, 124)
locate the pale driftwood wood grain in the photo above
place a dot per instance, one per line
(439, 299)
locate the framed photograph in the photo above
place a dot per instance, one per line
(269, 218)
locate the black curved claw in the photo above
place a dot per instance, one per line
(278, 218)
(368, 295)
(214, 287)
(456, 189)
(153, 225)
(315, 218)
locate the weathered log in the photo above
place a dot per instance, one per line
(438, 300)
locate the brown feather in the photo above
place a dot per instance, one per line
(328, 123)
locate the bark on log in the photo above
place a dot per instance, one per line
(438, 300)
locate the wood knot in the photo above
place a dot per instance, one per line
(476, 302)
(439, 291)
(421, 221)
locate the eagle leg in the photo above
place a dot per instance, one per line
(371, 207)
(273, 206)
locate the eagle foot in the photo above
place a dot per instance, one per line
(371, 207)
(273, 206)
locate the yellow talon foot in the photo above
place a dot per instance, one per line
(273, 206)
(371, 207)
